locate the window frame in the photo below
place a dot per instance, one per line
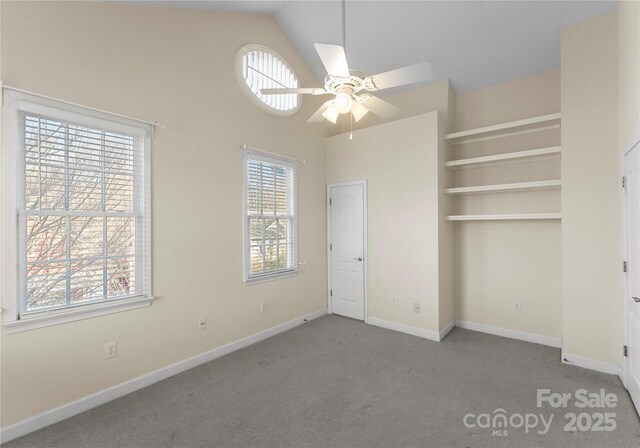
(238, 69)
(252, 154)
(16, 103)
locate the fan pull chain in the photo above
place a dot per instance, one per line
(351, 131)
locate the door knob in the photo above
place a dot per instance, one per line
(360, 259)
(637, 299)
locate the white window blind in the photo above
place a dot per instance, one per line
(83, 210)
(263, 69)
(270, 215)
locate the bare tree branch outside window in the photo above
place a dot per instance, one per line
(79, 212)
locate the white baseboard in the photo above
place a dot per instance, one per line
(445, 331)
(599, 366)
(513, 334)
(591, 364)
(65, 411)
(622, 377)
(402, 328)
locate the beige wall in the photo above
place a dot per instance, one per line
(629, 73)
(499, 263)
(399, 160)
(175, 66)
(591, 195)
(521, 98)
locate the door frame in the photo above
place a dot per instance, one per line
(364, 245)
(625, 278)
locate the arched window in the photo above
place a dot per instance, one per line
(259, 67)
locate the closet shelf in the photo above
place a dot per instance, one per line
(526, 126)
(511, 217)
(511, 157)
(536, 185)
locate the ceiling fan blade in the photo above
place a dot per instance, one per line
(379, 107)
(334, 59)
(358, 111)
(401, 76)
(301, 91)
(317, 116)
(331, 114)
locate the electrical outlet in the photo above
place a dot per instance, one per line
(517, 306)
(110, 350)
(416, 307)
(202, 323)
(263, 307)
(394, 299)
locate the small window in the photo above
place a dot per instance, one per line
(259, 67)
(270, 216)
(81, 237)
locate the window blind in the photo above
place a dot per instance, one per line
(270, 215)
(83, 214)
(264, 70)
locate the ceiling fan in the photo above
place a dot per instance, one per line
(347, 85)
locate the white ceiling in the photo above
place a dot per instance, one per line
(472, 43)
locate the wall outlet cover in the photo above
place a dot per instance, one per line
(110, 350)
(517, 306)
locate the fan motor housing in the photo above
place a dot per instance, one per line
(354, 82)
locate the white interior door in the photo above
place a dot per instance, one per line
(346, 232)
(632, 286)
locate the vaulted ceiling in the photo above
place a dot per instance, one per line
(472, 43)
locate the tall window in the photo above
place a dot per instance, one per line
(270, 216)
(81, 205)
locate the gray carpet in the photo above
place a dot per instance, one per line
(335, 382)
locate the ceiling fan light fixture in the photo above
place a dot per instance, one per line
(331, 114)
(343, 103)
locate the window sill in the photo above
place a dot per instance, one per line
(71, 315)
(270, 277)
